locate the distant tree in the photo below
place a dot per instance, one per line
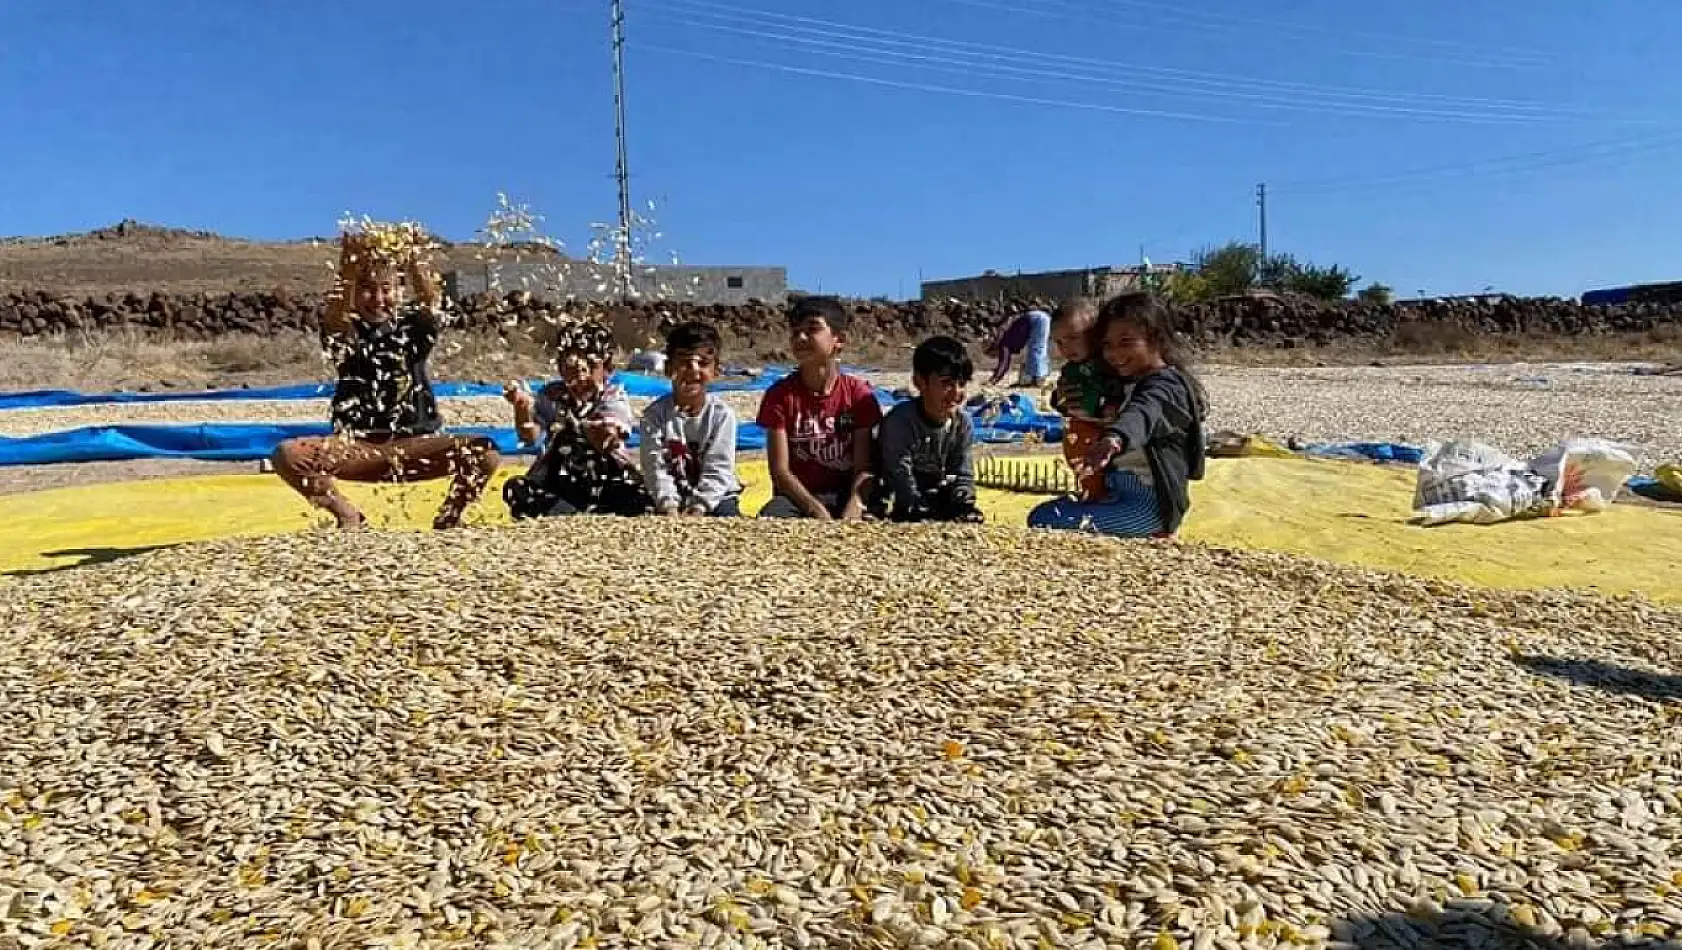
(1232, 268)
(1186, 286)
(1323, 283)
(1277, 271)
(1237, 267)
(1378, 293)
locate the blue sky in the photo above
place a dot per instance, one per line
(1436, 146)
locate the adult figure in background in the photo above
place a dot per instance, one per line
(381, 323)
(1029, 330)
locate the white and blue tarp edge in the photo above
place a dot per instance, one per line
(640, 385)
(241, 442)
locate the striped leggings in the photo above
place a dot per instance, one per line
(1129, 510)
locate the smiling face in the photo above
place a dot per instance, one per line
(584, 377)
(942, 396)
(378, 294)
(1128, 349)
(691, 371)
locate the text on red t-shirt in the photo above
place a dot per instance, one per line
(820, 428)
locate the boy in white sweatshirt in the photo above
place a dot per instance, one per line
(689, 436)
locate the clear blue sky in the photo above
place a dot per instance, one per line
(864, 143)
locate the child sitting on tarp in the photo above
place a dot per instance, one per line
(1088, 394)
(583, 421)
(1154, 447)
(924, 467)
(381, 324)
(689, 435)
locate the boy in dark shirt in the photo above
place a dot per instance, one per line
(925, 442)
(385, 418)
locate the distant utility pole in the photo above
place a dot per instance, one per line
(622, 239)
(1261, 203)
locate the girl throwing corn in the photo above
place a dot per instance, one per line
(381, 323)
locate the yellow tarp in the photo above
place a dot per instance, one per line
(1338, 511)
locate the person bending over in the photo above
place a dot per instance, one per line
(1028, 332)
(381, 324)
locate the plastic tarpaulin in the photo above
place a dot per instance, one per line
(238, 442)
(1346, 513)
(224, 442)
(641, 385)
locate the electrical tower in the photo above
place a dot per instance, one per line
(1261, 203)
(622, 171)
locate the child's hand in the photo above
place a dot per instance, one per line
(1102, 453)
(603, 435)
(517, 394)
(694, 511)
(854, 510)
(1067, 395)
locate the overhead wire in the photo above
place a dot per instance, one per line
(931, 87)
(842, 46)
(1452, 51)
(1507, 165)
(1218, 79)
(813, 31)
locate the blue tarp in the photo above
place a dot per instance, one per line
(1371, 451)
(641, 385)
(225, 442)
(239, 442)
(1649, 487)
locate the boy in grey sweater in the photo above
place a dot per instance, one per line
(924, 443)
(689, 436)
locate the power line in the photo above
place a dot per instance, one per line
(929, 87)
(1492, 56)
(1515, 164)
(859, 50)
(880, 36)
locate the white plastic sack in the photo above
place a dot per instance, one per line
(1474, 483)
(1586, 474)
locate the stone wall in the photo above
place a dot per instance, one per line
(1260, 322)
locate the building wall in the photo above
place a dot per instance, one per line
(586, 280)
(1101, 282)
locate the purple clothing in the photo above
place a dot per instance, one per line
(1015, 335)
(1027, 332)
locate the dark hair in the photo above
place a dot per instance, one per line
(942, 356)
(1144, 311)
(829, 309)
(691, 337)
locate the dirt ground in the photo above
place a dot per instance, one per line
(145, 258)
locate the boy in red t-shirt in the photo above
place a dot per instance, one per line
(818, 421)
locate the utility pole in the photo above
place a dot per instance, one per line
(1261, 202)
(622, 239)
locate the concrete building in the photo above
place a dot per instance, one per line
(1100, 282)
(586, 280)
